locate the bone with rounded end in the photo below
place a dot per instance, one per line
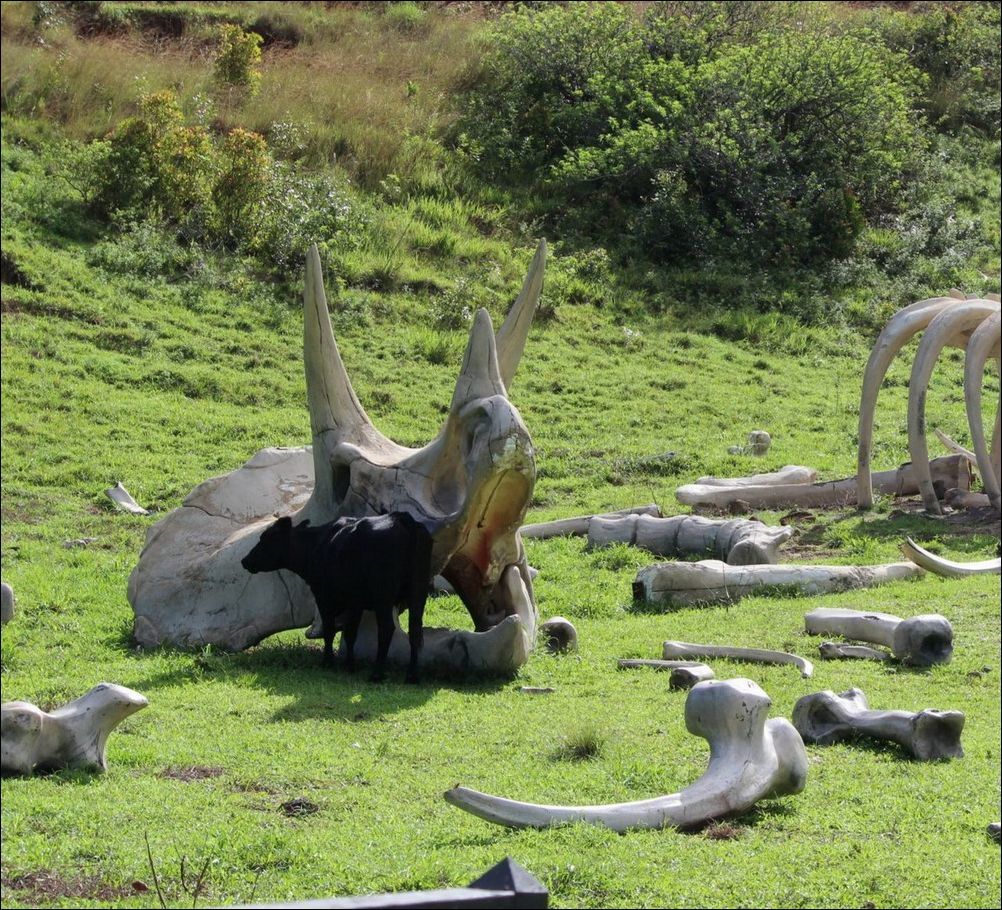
(965, 499)
(985, 341)
(995, 831)
(685, 584)
(687, 677)
(751, 758)
(947, 567)
(633, 663)
(6, 603)
(825, 718)
(833, 650)
(559, 635)
(73, 736)
(738, 541)
(124, 501)
(791, 473)
(920, 641)
(685, 649)
(579, 524)
(947, 327)
(951, 471)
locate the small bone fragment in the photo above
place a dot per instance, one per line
(920, 641)
(6, 603)
(737, 541)
(965, 499)
(578, 526)
(686, 584)
(687, 677)
(120, 496)
(759, 442)
(751, 758)
(77, 543)
(73, 736)
(676, 649)
(559, 635)
(956, 447)
(825, 718)
(832, 650)
(537, 690)
(995, 831)
(951, 471)
(791, 473)
(634, 663)
(947, 567)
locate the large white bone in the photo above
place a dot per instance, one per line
(833, 650)
(579, 524)
(985, 341)
(739, 541)
(947, 567)
(920, 640)
(683, 584)
(73, 736)
(6, 603)
(674, 650)
(751, 758)
(825, 718)
(791, 473)
(951, 471)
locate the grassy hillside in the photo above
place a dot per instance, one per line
(130, 354)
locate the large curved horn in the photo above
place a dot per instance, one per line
(479, 376)
(896, 334)
(948, 327)
(984, 341)
(947, 567)
(512, 335)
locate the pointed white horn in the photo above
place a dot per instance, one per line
(512, 335)
(947, 567)
(479, 376)
(984, 341)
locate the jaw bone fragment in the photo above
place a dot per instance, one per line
(936, 564)
(559, 635)
(751, 758)
(832, 650)
(471, 486)
(739, 541)
(920, 641)
(825, 718)
(578, 526)
(949, 472)
(709, 581)
(683, 649)
(73, 736)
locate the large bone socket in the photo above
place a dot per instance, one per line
(920, 641)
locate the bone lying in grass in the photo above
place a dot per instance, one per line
(751, 758)
(825, 718)
(948, 567)
(684, 649)
(631, 663)
(559, 635)
(578, 525)
(834, 650)
(687, 677)
(686, 584)
(790, 474)
(73, 736)
(920, 641)
(122, 498)
(739, 542)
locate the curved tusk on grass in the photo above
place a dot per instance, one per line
(513, 333)
(751, 758)
(947, 567)
(683, 649)
(984, 342)
(955, 446)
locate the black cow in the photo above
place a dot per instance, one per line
(351, 565)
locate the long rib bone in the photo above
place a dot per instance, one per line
(985, 342)
(682, 649)
(947, 567)
(825, 718)
(751, 758)
(920, 641)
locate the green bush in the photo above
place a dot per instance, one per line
(238, 57)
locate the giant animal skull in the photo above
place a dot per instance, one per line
(471, 486)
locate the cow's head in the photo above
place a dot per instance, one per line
(271, 552)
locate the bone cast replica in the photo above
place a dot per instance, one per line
(687, 584)
(123, 499)
(73, 736)
(947, 567)
(759, 442)
(919, 641)
(470, 486)
(687, 677)
(751, 758)
(971, 324)
(579, 524)
(559, 635)
(674, 650)
(792, 473)
(739, 542)
(825, 718)
(835, 650)
(6, 603)
(949, 472)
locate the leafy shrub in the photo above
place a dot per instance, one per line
(238, 57)
(405, 16)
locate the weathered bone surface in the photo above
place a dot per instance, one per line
(759, 442)
(559, 635)
(949, 472)
(835, 650)
(985, 340)
(965, 499)
(687, 677)
(73, 736)
(470, 486)
(687, 584)
(947, 567)
(791, 473)
(123, 499)
(684, 649)
(739, 541)
(6, 603)
(634, 663)
(825, 718)
(751, 758)
(920, 641)
(579, 524)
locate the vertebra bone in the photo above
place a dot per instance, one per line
(920, 641)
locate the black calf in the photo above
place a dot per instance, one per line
(351, 565)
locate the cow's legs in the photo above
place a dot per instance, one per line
(329, 630)
(384, 622)
(350, 634)
(415, 630)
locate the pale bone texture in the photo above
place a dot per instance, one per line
(73, 736)
(559, 635)
(123, 499)
(947, 567)
(835, 650)
(6, 603)
(759, 442)
(920, 641)
(687, 677)
(633, 663)
(470, 486)
(965, 499)
(739, 542)
(791, 473)
(954, 321)
(752, 757)
(948, 472)
(930, 735)
(579, 524)
(673, 650)
(687, 584)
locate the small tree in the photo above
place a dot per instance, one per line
(238, 58)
